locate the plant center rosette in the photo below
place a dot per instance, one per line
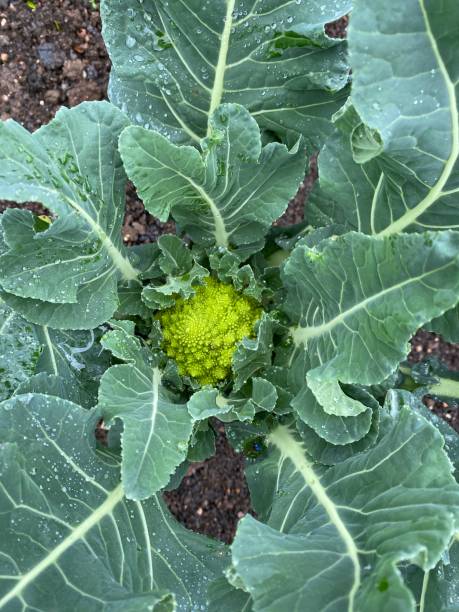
(201, 333)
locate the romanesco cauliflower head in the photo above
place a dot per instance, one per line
(201, 333)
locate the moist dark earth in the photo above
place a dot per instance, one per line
(51, 55)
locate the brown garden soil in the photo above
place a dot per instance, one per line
(54, 55)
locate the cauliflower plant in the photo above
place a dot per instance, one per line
(201, 333)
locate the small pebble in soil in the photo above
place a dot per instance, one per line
(50, 56)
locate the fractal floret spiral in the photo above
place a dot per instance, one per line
(201, 333)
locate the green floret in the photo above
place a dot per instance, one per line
(201, 333)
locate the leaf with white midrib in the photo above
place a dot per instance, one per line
(157, 427)
(230, 193)
(336, 536)
(282, 439)
(29, 354)
(438, 589)
(437, 190)
(413, 184)
(190, 59)
(68, 534)
(447, 325)
(77, 358)
(72, 166)
(358, 336)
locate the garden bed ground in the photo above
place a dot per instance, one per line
(54, 55)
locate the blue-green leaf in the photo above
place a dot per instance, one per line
(174, 62)
(157, 426)
(69, 536)
(65, 276)
(410, 183)
(230, 193)
(334, 538)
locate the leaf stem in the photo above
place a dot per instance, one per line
(291, 449)
(51, 350)
(447, 387)
(77, 534)
(422, 600)
(217, 90)
(122, 263)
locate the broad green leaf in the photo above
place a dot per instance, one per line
(437, 590)
(240, 411)
(223, 597)
(130, 301)
(385, 591)
(335, 428)
(144, 257)
(241, 405)
(19, 351)
(447, 325)
(335, 537)
(252, 355)
(450, 435)
(76, 357)
(156, 426)
(365, 142)
(330, 454)
(258, 395)
(413, 107)
(202, 445)
(96, 303)
(177, 476)
(73, 167)
(122, 343)
(228, 195)
(73, 357)
(125, 325)
(416, 113)
(356, 300)
(176, 258)
(49, 384)
(330, 395)
(70, 538)
(174, 62)
(207, 403)
(280, 569)
(264, 394)
(347, 193)
(277, 376)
